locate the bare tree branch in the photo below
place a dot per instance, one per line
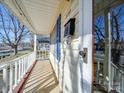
(13, 31)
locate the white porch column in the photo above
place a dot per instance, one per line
(35, 45)
(35, 42)
(16, 74)
(5, 80)
(107, 63)
(11, 79)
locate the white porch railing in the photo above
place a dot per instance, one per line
(116, 74)
(42, 54)
(13, 71)
(117, 78)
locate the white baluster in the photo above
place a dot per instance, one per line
(112, 76)
(34, 54)
(26, 64)
(5, 80)
(11, 79)
(42, 54)
(122, 83)
(16, 74)
(19, 74)
(45, 54)
(22, 67)
(98, 66)
(29, 61)
(39, 54)
(34, 58)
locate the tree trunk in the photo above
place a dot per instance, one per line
(15, 49)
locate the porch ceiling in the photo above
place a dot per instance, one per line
(101, 5)
(36, 14)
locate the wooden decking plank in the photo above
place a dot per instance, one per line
(42, 79)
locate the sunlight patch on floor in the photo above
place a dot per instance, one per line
(42, 79)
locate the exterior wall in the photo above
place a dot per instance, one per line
(66, 69)
(69, 70)
(68, 65)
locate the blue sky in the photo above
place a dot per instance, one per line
(7, 22)
(99, 21)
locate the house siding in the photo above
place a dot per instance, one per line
(67, 69)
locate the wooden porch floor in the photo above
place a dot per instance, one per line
(42, 79)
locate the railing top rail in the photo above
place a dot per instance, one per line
(122, 72)
(4, 64)
(101, 59)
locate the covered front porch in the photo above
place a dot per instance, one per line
(27, 75)
(42, 79)
(70, 64)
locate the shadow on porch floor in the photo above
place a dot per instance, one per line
(42, 79)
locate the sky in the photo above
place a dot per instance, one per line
(99, 21)
(7, 21)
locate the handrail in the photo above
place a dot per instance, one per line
(97, 59)
(116, 83)
(13, 61)
(122, 72)
(15, 70)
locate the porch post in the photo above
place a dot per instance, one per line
(80, 65)
(107, 62)
(35, 44)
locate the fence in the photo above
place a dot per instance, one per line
(42, 54)
(116, 74)
(13, 71)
